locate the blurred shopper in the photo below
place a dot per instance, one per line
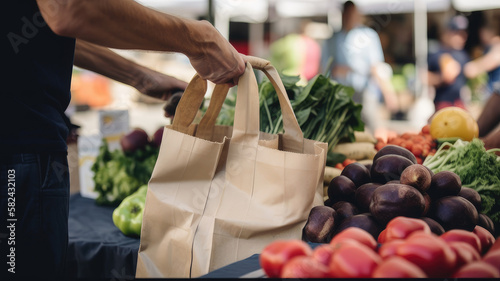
(38, 47)
(358, 61)
(446, 64)
(490, 61)
(297, 54)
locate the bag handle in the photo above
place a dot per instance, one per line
(293, 138)
(194, 95)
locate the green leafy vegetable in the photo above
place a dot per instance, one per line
(324, 109)
(477, 167)
(117, 175)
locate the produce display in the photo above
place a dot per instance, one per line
(324, 109)
(478, 169)
(421, 144)
(128, 215)
(406, 248)
(119, 173)
(394, 185)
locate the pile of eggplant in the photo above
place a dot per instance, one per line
(369, 196)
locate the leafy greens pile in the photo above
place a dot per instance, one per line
(117, 175)
(477, 167)
(324, 109)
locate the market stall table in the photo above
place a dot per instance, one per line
(98, 249)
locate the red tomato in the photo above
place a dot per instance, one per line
(348, 161)
(406, 136)
(396, 267)
(381, 237)
(323, 253)
(478, 269)
(416, 150)
(339, 166)
(389, 249)
(304, 267)
(465, 253)
(356, 234)
(354, 261)
(419, 160)
(485, 237)
(429, 252)
(278, 253)
(426, 129)
(493, 258)
(496, 246)
(401, 227)
(380, 145)
(462, 236)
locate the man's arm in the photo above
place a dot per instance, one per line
(106, 62)
(125, 24)
(485, 63)
(490, 116)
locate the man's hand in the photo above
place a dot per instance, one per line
(213, 57)
(158, 85)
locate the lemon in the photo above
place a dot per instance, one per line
(452, 122)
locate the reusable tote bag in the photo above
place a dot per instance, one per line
(219, 194)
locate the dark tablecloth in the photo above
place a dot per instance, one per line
(97, 248)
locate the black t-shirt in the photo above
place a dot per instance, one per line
(36, 77)
(450, 92)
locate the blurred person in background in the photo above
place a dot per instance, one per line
(446, 65)
(358, 61)
(38, 52)
(296, 54)
(490, 61)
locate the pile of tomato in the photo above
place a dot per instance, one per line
(405, 249)
(421, 144)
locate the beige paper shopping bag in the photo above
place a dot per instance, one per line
(219, 194)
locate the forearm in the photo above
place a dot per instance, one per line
(490, 116)
(107, 63)
(128, 25)
(486, 63)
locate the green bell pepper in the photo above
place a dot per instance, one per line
(128, 215)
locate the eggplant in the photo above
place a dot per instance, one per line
(358, 173)
(389, 167)
(471, 195)
(444, 183)
(393, 200)
(341, 188)
(395, 150)
(435, 227)
(454, 212)
(418, 176)
(363, 196)
(320, 224)
(364, 221)
(135, 140)
(344, 210)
